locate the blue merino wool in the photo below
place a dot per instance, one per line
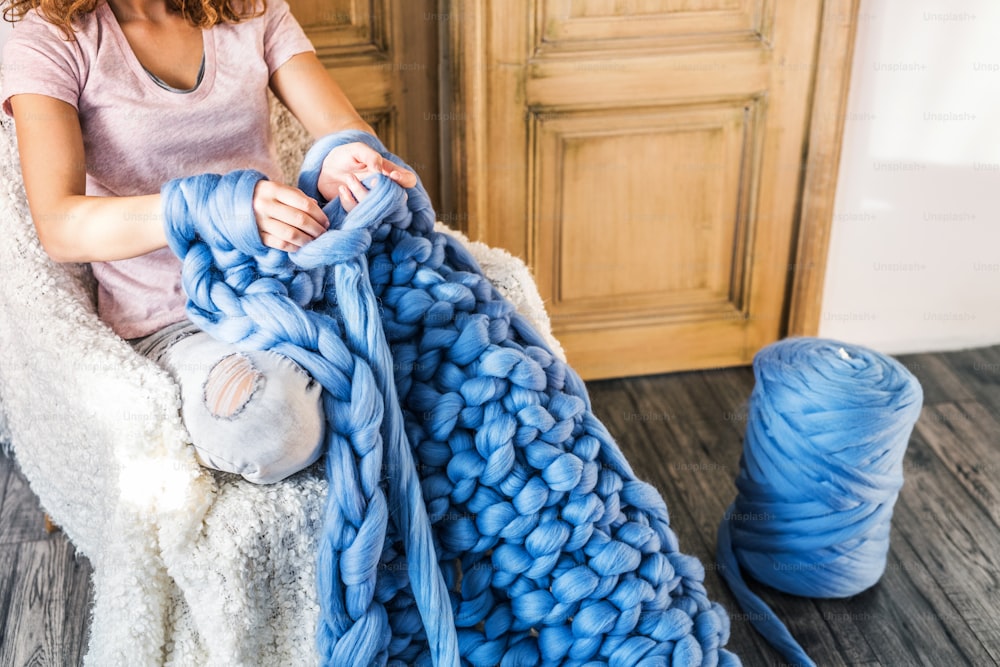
(478, 513)
(822, 464)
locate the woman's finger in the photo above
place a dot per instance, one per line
(277, 234)
(300, 201)
(404, 177)
(272, 241)
(297, 220)
(277, 206)
(368, 159)
(377, 164)
(356, 187)
(347, 200)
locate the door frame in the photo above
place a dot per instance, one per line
(819, 188)
(464, 150)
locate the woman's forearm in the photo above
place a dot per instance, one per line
(79, 228)
(305, 87)
(72, 226)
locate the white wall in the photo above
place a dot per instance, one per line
(914, 259)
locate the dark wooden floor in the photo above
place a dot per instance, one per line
(938, 603)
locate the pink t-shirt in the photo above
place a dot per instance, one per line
(137, 135)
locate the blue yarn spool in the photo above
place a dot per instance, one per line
(822, 465)
(478, 512)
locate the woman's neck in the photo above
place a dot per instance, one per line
(165, 44)
(126, 11)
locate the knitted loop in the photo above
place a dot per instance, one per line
(478, 512)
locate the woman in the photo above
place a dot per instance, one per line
(111, 99)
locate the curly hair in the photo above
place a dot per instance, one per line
(199, 13)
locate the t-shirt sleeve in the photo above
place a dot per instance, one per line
(38, 59)
(283, 36)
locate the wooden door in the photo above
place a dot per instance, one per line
(646, 158)
(384, 54)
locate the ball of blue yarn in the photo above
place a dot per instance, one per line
(822, 465)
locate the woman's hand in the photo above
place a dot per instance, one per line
(345, 166)
(287, 218)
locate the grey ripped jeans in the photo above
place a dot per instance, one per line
(257, 414)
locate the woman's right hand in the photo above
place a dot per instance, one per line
(287, 218)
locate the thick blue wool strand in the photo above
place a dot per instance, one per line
(478, 512)
(822, 464)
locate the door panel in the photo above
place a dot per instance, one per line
(342, 26)
(626, 241)
(645, 158)
(604, 21)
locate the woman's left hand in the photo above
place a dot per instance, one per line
(345, 166)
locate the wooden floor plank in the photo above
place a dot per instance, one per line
(918, 613)
(21, 514)
(46, 600)
(966, 438)
(938, 377)
(957, 542)
(729, 389)
(10, 582)
(979, 372)
(79, 602)
(6, 466)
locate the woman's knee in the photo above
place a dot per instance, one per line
(260, 416)
(230, 385)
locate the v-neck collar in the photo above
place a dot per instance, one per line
(208, 53)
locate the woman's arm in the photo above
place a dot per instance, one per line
(306, 88)
(73, 227)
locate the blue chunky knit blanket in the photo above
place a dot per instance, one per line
(478, 512)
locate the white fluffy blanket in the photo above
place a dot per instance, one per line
(190, 567)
